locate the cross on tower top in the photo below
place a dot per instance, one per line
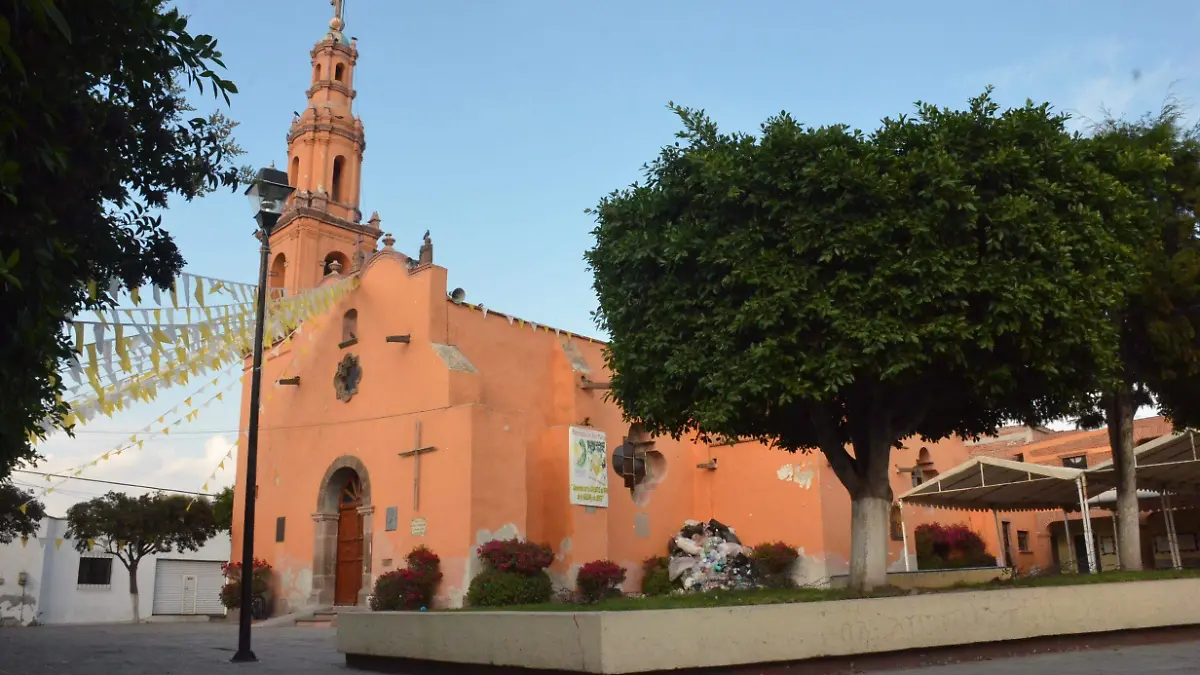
(338, 22)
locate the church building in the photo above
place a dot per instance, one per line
(407, 416)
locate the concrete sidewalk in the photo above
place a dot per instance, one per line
(205, 649)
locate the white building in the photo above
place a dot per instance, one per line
(47, 580)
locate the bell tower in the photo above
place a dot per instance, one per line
(320, 231)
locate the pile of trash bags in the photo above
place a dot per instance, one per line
(709, 556)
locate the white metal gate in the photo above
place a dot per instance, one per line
(188, 587)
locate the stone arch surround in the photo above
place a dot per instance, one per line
(325, 526)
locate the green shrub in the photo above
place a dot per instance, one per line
(599, 579)
(773, 564)
(656, 580)
(231, 592)
(949, 547)
(411, 588)
(493, 588)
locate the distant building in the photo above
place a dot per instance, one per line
(44, 578)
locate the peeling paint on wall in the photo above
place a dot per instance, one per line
(810, 571)
(453, 358)
(295, 586)
(578, 363)
(14, 601)
(454, 596)
(800, 474)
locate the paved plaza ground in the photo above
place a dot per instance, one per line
(205, 649)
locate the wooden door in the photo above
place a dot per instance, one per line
(349, 573)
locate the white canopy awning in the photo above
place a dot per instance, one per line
(1170, 462)
(991, 484)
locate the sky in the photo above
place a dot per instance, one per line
(494, 124)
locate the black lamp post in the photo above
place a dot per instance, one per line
(267, 195)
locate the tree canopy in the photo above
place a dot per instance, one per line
(131, 528)
(823, 288)
(95, 137)
(16, 522)
(223, 510)
(1159, 321)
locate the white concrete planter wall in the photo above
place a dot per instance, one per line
(643, 641)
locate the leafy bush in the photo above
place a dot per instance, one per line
(774, 558)
(426, 564)
(400, 590)
(599, 579)
(656, 579)
(950, 547)
(411, 588)
(773, 564)
(514, 555)
(493, 588)
(231, 592)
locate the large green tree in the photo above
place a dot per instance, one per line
(1159, 323)
(822, 288)
(20, 514)
(95, 137)
(131, 528)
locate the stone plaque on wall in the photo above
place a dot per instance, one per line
(391, 519)
(418, 527)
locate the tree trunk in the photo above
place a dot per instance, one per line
(1119, 418)
(869, 520)
(133, 593)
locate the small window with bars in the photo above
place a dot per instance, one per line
(1022, 541)
(95, 572)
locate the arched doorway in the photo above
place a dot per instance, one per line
(348, 568)
(342, 544)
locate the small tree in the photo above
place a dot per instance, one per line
(223, 510)
(131, 528)
(16, 522)
(818, 288)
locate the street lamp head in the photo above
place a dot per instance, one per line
(268, 192)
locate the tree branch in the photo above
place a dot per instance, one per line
(830, 441)
(906, 423)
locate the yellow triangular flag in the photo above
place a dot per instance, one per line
(23, 507)
(91, 543)
(58, 542)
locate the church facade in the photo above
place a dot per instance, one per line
(406, 416)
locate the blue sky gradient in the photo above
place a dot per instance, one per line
(494, 124)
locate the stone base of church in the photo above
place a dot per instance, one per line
(661, 640)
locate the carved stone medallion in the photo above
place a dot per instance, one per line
(349, 374)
